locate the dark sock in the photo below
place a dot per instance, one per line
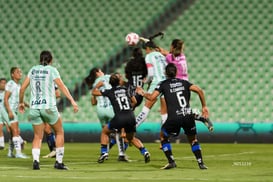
(167, 149)
(196, 149)
(103, 149)
(50, 138)
(112, 142)
(126, 144)
(142, 150)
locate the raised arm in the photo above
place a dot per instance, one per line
(96, 91)
(66, 92)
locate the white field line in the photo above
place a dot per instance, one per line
(108, 177)
(129, 178)
(220, 155)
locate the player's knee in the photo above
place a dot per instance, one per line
(129, 136)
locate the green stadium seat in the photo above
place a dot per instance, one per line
(224, 40)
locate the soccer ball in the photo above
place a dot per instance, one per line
(132, 38)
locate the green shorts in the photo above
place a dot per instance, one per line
(105, 114)
(4, 117)
(39, 116)
(152, 88)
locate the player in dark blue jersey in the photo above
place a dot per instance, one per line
(177, 94)
(124, 117)
(135, 72)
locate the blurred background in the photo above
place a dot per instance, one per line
(229, 47)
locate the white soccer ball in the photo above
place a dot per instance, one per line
(132, 38)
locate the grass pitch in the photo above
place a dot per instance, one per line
(226, 162)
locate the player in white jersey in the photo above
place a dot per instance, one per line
(41, 79)
(155, 63)
(3, 121)
(11, 100)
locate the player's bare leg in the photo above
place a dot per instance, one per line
(138, 144)
(59, 132)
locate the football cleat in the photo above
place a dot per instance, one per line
(21, 156)
(11, 155)
(60, 166)
(103, 157)
(204, 120)
(36, 165)
(202, 166)
(209, 124)
(122, 158)
(51, 154)
(147, 157)
(169, 166)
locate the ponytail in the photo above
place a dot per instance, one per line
(45, 58)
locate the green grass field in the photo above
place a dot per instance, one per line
(226, 162)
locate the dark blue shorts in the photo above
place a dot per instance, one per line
(172, 126)
(124, 119)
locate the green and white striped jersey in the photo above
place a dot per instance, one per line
(42, 86)
(156, 63)
(2, 93)
(101, 100)
(14, 89)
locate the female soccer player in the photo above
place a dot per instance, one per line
(124, 117)
(155, 63)
(41, 79)
(178, 58)
(135, 72)
(177, 95)
(105, 110)
(11, 100)
(3, 121)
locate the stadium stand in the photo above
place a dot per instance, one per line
(228, 46)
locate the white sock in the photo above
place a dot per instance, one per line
(17, 144)
(11, 146)
(2, 141)
(59, 154)
(120, 144)
(163, 118)
(142, 116)
(36, 154)
(21, 139)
